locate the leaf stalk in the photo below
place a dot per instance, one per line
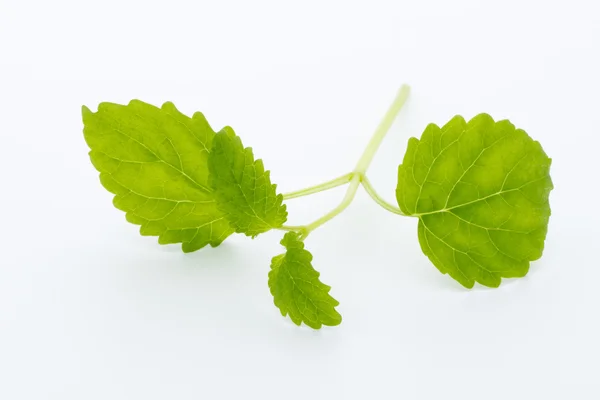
(357, 176)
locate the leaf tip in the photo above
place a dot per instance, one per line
(337, 320)
(169, 107)
(86, 113)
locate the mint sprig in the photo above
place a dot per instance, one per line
(480, 190)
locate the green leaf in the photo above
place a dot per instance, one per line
(155, 161)
(296, 288)
(480, 190)
(242, 187)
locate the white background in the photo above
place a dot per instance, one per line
(89, 309)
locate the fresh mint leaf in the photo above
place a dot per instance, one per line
(155, 161)
(242, 187)
(480, 190)
(296, 288)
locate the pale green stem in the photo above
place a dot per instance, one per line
(382, 130)
(342, 180)
(365, 160)
(350, 193)
(379, 200)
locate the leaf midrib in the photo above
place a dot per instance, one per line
(477, 200)
(181, 171)
(312, 284)
(143, 195)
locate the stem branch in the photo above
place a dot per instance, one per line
(378, 199)
(354, 184)
(358, 175)
(342, 180)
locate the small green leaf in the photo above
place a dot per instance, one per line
(480, 190)
(155, 161)
(242, 187)
(296, 288)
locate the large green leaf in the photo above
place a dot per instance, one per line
(242, 187)
(296, 288)
(480, 190)
(155, 161)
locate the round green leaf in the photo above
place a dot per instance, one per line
(480, 190)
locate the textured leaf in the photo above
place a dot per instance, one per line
(296, 288)
(480, 191)
(242, 187)
(155, 161)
